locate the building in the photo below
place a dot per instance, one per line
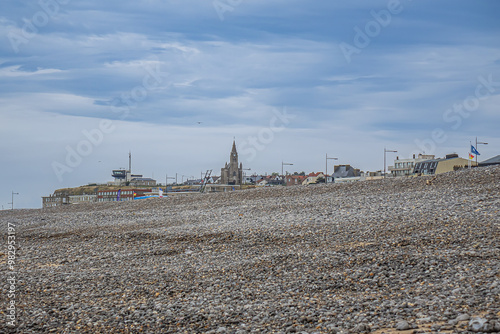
(121, 176)
(193, 182)
(294, 180)
(491, 161)
(312, 178)
(406, 167)
(142, 182)
(54, 200)
(232, 173)
(250, 179)
(372, 176)
(344, 171)
(438, 166)
(269, 180)
(124, 177)
(262, 182)
(70, 196)
(125, 194)
(213, 188)
(77, 199)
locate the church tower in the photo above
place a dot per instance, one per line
(232, 173)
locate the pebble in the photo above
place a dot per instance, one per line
(336, 258)
(463, 317)
(362, 328)
(402, 326)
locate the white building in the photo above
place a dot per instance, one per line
(76, 199)
(405, 167)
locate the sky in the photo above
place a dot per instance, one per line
(84, 82)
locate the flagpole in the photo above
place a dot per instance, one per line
(469, 154)
(476, 150)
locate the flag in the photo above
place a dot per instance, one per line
(160, 192)
(471, 156)
(118, 196)
(473, 150)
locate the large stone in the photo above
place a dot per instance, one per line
(402, 326)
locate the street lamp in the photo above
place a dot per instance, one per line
(385, 152)
(166, 180)
(284, 164)
(13, 193)
(478, 143)
(326, 167)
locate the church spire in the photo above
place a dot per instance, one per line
(234, 147)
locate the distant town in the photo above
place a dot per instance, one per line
(127, 186)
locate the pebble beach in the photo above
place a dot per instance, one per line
(397, 255)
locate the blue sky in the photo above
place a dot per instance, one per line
(290, 80)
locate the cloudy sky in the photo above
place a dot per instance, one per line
(83, 82)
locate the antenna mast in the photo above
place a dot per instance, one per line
(130, 162)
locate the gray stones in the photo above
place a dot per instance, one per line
(476, 324)
(324, 259)
(362, 328)
(463, 317)
(402, 326)
(484, 325)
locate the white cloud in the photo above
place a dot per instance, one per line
(14, 71)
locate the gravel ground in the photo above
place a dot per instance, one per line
(395, 254)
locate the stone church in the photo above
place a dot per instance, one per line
(232, 173)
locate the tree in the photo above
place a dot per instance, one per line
(320, 179)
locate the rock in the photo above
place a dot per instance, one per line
(495, 325)
(402, 326)
(362, 328)
(463, 317)
(476, 324)
(490, 326)
(332, 328)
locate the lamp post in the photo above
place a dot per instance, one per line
(479, 143)
(326, 167)
(385, 153)
(166, 180)
(13, 193)
(284, 164)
